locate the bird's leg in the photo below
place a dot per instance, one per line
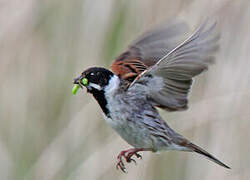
(127, 154)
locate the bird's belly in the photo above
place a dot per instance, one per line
(135, 134)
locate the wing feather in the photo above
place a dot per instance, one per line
(175, 71)
(148, 49)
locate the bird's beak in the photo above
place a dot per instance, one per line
(77, 80)
(77, 84)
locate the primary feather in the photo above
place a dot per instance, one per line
(172, 76)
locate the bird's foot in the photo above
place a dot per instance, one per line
(127, 154)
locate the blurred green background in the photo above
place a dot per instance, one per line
(46, 133)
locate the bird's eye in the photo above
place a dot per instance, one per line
(85, 81)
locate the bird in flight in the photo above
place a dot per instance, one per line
(156, 71)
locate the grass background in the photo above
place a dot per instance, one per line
(46, 133)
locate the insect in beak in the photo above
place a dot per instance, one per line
(79, 83)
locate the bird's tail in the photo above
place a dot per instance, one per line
(199, 150)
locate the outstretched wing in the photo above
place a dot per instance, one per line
(148, 50)
(168, 82)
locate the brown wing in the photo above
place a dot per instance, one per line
(148, 49)
(128, 69)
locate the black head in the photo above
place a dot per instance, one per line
(94, 79)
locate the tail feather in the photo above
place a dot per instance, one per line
(199, 150)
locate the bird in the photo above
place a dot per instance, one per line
(155, 72)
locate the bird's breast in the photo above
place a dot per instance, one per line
(125, 118)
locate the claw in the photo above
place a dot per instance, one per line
(127, 154)
(138, 156)
(120, 165)
(131, 160)
(124, 170)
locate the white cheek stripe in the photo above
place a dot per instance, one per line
(95, 86)
(113, 84)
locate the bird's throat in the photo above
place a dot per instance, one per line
(100, 98)
(101, 95)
